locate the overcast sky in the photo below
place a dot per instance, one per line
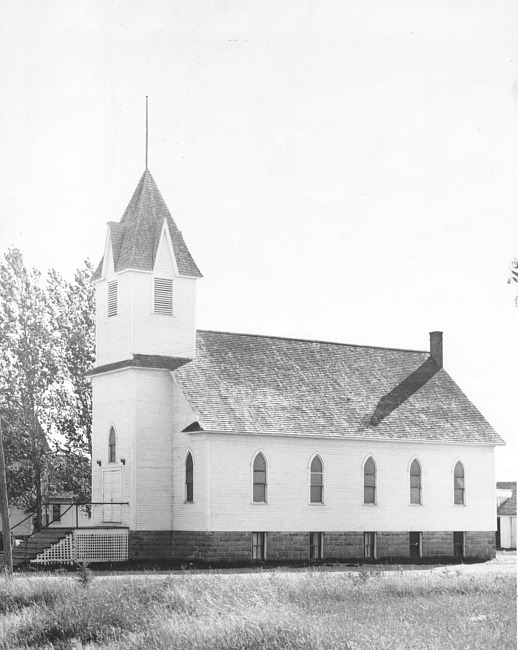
(342, 171)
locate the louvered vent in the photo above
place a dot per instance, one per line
(163, 296)
(112, 298)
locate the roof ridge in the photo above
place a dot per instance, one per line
(136, 193)
(291, 338)
(141, 184)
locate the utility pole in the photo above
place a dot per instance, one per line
(4, 512)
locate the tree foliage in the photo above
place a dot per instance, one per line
(69, 400)
(46, 347)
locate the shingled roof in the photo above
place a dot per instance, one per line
(507, 507)
(136, 237)
(140, 361)
(268, 385)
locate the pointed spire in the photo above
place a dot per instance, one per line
(135, 238)
(147, 131)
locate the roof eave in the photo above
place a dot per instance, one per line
(348, 437)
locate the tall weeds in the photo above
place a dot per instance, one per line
(274, 610)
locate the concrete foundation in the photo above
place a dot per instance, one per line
(217, 546)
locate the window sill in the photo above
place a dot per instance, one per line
(316, 504)
(370, 505)
(259, 503)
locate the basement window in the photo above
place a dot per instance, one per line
(415, 544)
(112, 298)
(258, 546)
(163, 296)
(458, 544)
(369, 545)
(315, 546)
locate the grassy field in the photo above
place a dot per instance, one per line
(362, 609)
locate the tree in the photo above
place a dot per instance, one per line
(69, 400)
(46, 348)
(6, 546)
(27, 368)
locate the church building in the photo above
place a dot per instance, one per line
(236, 447)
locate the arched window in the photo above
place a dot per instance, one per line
(189, 479)
(369, 481)
(415, 482)
(316, 481)
(259, 479)
(458, 484)
(111, 446)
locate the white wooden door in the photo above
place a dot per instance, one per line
(112, 495)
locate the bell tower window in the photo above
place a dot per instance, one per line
(112, 298)
(163, 296)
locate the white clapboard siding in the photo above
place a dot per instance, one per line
(113, 406)
(140, 328)
(153, 441)
(228, 485)
(507, 532)
(154, 333)
(112, 333)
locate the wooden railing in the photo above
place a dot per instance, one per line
(79, 515)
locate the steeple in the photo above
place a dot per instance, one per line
(145, 285)
(135, 239)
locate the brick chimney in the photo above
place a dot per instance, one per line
(436, 347)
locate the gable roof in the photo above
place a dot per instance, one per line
(263, 384)
(508, 507)
(135, 238)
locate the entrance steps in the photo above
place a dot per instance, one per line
(38, 543)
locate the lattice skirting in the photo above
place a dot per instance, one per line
(87, 546)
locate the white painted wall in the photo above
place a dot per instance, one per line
(229, 484)
(507, 532)
(165, 262)
(113, 405)
(173, 336)
(112, 334)
(153, 449)
(136, 329)
(195, 515)
(138, 402)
